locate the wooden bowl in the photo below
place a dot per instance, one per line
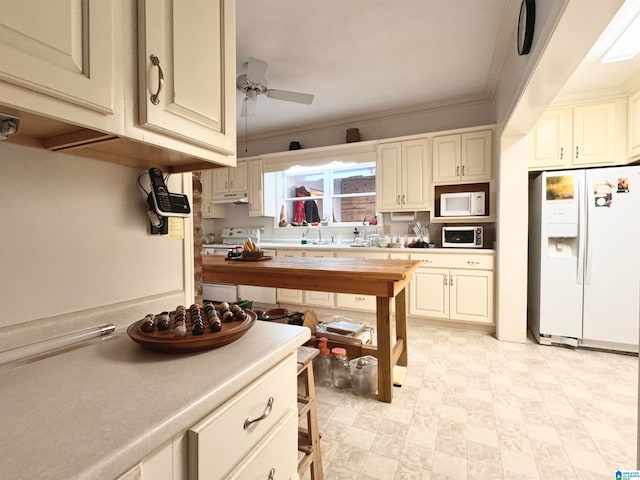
(252, 255)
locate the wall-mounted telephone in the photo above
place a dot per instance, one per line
(166, 204)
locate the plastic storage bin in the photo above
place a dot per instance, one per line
(364, 375)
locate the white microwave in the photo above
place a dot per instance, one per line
(462, 237)
(462, 204)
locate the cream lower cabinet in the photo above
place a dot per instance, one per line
(318, 299)
(289, 295)
(462, 294)
(358, 301)
(250, 436)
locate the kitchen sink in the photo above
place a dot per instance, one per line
(321, 242)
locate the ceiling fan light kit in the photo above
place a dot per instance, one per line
(254, 83)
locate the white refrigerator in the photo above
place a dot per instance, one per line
(584, 257)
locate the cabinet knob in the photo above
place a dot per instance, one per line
(445, 280)
(463, 170)
(272, 474)
(398, 200)
(403, 199)
(577, 151)
(451, 281)
(155, 98)
(561, 153)
(457, 171)
(265, 414)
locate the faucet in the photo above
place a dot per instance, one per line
(319, 234)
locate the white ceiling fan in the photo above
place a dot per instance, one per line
(253, 83)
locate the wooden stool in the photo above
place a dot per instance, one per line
(308, 438)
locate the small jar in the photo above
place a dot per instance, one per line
(323, 374)
(340, 371)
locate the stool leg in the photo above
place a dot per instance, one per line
(314, 433)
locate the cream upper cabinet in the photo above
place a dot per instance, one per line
(261, 189)
(229, 180)
(550, 139)
(402, 176)
(187, 70)
(462, 157)
(579, 136)
(62, 49)
(210, 210)
(634, 127)
(255, 181)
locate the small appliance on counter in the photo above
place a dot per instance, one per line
(463, 237)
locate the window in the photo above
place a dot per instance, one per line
(336, 193)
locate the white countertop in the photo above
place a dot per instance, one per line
(95, 411)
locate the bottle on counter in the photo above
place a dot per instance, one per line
(340, 369)
(323, 370)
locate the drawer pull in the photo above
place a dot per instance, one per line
(473, 262)
(272, 474)
(267, 411)
(427, 261)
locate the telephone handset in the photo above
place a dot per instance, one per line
(164, 203)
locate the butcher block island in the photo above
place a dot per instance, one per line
(111, 409)
(386, 279)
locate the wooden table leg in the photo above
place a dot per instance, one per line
(385, 358)
(401, 325)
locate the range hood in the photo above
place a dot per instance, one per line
(237, 198)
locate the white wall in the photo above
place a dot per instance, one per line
(75, 238)
(384, 126)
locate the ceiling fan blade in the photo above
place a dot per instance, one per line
(288, 96)
(248, 107)
(256, 70)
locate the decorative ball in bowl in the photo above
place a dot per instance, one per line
(252, 255)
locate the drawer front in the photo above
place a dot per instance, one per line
(220, 441)
(480, 262)
(356, 302)
(358, 253)
(276, 455)
(288, 253)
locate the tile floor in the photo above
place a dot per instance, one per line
(472, 407)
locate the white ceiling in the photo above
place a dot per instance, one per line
(365, 57)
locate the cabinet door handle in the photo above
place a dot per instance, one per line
(226, 185)
(272, 474)
(473, 262)
(457, 171)
(265, 414)
(561, 153)
(403, 199)
(451, 281)
(398, 200)
(445, 280)
(155, 98)
(427, 261)
(577, 151)
(463, 170)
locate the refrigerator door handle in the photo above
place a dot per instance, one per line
(581, 237)
(587, 232)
